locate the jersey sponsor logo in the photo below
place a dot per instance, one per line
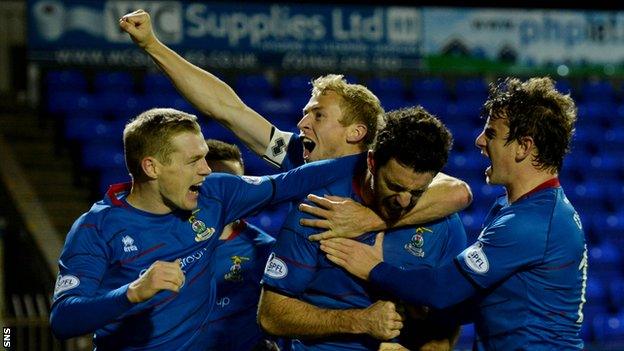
(128, 244)
(252, 180)
(476, 259)
(202, 232)
(275, 268)
(236, 272)
(65, 282)
(416, 243)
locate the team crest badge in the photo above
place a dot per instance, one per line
(415, 245)
(202, 232)
(236, 273)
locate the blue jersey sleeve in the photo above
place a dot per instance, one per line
(457, 239)
(446, 286)
(245, 195)
(511, 241)
(294, 260)
(78, 308)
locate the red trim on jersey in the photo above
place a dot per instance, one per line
(115, 189)
(237, 229)
(551, 183)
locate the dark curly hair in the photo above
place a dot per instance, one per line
(414, 138)
(536, 109)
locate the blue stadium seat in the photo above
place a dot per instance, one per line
(587, 138)
(89, 128)
(597, 90)
(608, 329)
(295, 84)
(66, 80)
(594, 112)
(436, 106)
(613, 143)
(384, 86)
(471, 89)
(63, 103)
(99, 156)
(429, 88)
(614, 193)
(157, 83)
(121, 82)
(616, 293)
(610, 226)
(595, 290)
(393, 102)
(605, 260)
(255, 84)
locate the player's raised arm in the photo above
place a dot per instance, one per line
(205, 91)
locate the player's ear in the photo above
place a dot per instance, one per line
(526, 147)
(356, 133)
(370, 161)
(150, 167)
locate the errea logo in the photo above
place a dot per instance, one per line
(128, 244)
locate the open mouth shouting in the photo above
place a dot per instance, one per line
(308, 147)
(194, 189)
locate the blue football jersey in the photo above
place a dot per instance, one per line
(531, 261)
(239, 263)
(298, 268)
(114, 243)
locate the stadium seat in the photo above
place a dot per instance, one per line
(66, 80)
(605, 260)
(120, 82)
(384, 86)
(597, 91)
(471, 89)
(616, 293)
(609, 226)
(64, 103)
(429, 88)
(255, 84)
(157, 83)
(97, 156)
(596, 291)
(88, 128)
(609, 330)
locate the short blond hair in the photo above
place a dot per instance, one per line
(359, 105)
(150, 134)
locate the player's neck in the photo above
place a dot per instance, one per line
(366, 186)
(145, 198)
(526, 181)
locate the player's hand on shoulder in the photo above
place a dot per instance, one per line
(382, 320)
(161, 275)
(139, 25)
(342, 217)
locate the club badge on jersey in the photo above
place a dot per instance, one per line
(202, 232)
(236, 273)
(415, 246)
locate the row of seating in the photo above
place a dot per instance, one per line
(595, 90)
